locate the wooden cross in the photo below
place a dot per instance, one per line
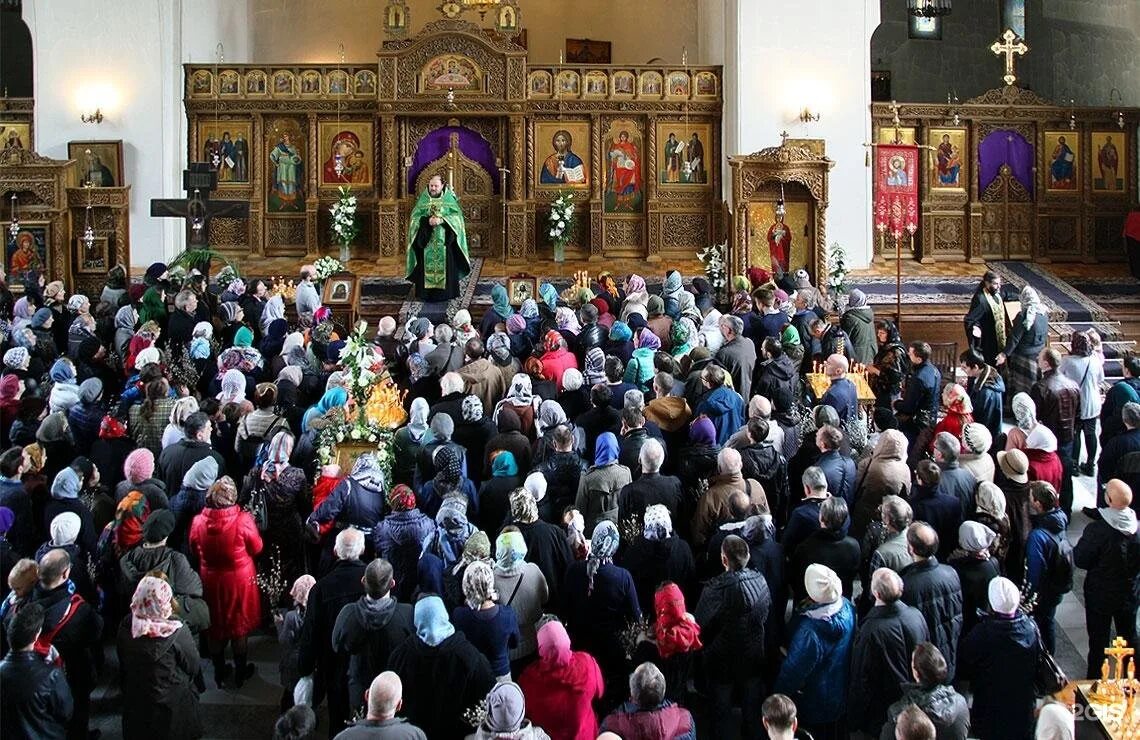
(783, 138)
(198, 180)
(1118, 652)
(1008, 49)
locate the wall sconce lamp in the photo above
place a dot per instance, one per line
(96, 117)
(952, 101)
(806, 116)
(1072, 116)
(1119, 113)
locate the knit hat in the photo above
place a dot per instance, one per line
(823, 585)
(506, 708)
(90, 390)
(975, 537)
(158, 526)
(535, 485)
(41, 317)
(977, 438)
(572, 379)
(201, 474)
(17, 358)
(66, 484)
(65, 528)
(1015, 465)
(139, 465)
(1004, 596)
(54, 427)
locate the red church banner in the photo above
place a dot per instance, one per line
(896, 189)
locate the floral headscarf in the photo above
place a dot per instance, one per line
(603, 544)
(301, 588)
(367, 472)
(566, 320)
(956, 400)
(472, 409)
(634, 284)
(280, 449)
(401, 498)
(658, 523)
(151, 607)
(510, 553)
(521, 392)
(552, 342)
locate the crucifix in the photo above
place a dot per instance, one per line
(198, 180)
(783, 138)
(1008, 49)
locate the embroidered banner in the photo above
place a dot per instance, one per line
(896, 189)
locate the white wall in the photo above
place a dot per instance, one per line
(780, 56)
(125, 56)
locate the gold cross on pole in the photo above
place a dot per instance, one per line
(783, 138)
(1008, 49)
(1119, 652)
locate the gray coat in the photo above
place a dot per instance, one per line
(598, 490)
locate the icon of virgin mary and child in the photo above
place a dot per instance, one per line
(353, 167)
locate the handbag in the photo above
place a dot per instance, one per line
(1048, 677)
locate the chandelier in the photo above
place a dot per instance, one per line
(480, 5)
(928, 8)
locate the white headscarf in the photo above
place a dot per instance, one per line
(1030, 305)
(233, 387)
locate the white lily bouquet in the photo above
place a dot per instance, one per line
(712, 257)
(837, 269)
(327, 267)
(561, 224)
(344, 228)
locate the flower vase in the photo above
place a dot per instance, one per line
(344, 253)
(559, 252)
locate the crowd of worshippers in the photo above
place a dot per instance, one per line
(609, 510)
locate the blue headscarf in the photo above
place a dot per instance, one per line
(504, 465)
(549, 295)
(620, 332)
(529, 309)
(62, 372)
(500, 301)
(334, 397)
(432, 624)
(606, 449)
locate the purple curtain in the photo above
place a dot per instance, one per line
(1005, 147)
(435, 145)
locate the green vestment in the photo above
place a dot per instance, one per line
(436, 245)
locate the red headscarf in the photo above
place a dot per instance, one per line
(111, 428)
(552, 341)
(677, 632)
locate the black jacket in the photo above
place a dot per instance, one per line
(546, 547)
(826, 547)
(590, 336)
(999, 658)
(331, 593)
(77, 640)
(596, 422)
(157, 673)
(934, 589)
(36, 701)
(880, 662)
(562, 471)
(441, 683)
(1112, 559)
(178, 458)
(732, 612)
(975, 576)
(764, 463)
(650, 489)
(629, 449)
(652, 562)
(370, 630)
(778, 380)
(944, 706)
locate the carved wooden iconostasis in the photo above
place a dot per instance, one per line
(1009, 175)
(638, 147)
(796, 175)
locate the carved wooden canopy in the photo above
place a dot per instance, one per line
(778, 164)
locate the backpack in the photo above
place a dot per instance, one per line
(1059, 576)
(43, 645)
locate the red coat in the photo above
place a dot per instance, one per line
(555, 363)
(953, 423)
(1045, 466)
(226, 542)
(560, 701)
(321, 490)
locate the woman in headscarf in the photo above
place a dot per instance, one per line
(599, 486)
(561, 686)
(110, 449)
(708, 335)
(636, 298)
(495, 493)
(595, 367)
(529, 311)
(673, 642)
(500, 311)
(464, 331)
(957, 410)
(334, 397)
(991, 511)
(549, 295)
(154, 309)
(491, 627)
(158, 661)
(891, 364)
(437, 657)
(658, 555)
(408, 441)
(859, 322)
(506, 716)
(447, 479)
(231, 315)
(126, 529)
(556, 358)
(640, 369)
(741, 297)
(11, 388)
(520, 398)
(976, 565)
(22, 313)
(179, 412)
(567, 322)
(683, 336)
(272, 345)
(550, 416)
(696, 462)
(1044, 461)
(884, 473)
(1029, 336)
(620, 342)
(671, 291)
(233, 391)
(422, 383)
(274, 310)
(54, 435)
(1024, 419)
(126, 319)
(452, 530)
(286, 493)
(289, 404)
(399, 538)
(600, 601)
(521, 586)
(225, 540)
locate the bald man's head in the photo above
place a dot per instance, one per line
(1118, 494)
(385, 696)
(55, 566)
(921, 540)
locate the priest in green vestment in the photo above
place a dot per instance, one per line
(437, 244)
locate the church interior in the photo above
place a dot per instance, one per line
(902, 154)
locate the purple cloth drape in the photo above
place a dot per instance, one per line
(1005, 147)
(435, 145)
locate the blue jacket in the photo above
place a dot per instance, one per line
(840, 472)
(725, 410)
(351, 504)
(816, 670)
(803, 520)
(1040, 549)
(842, 397)
(987, 392)
(923, 391)
(940, 510)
